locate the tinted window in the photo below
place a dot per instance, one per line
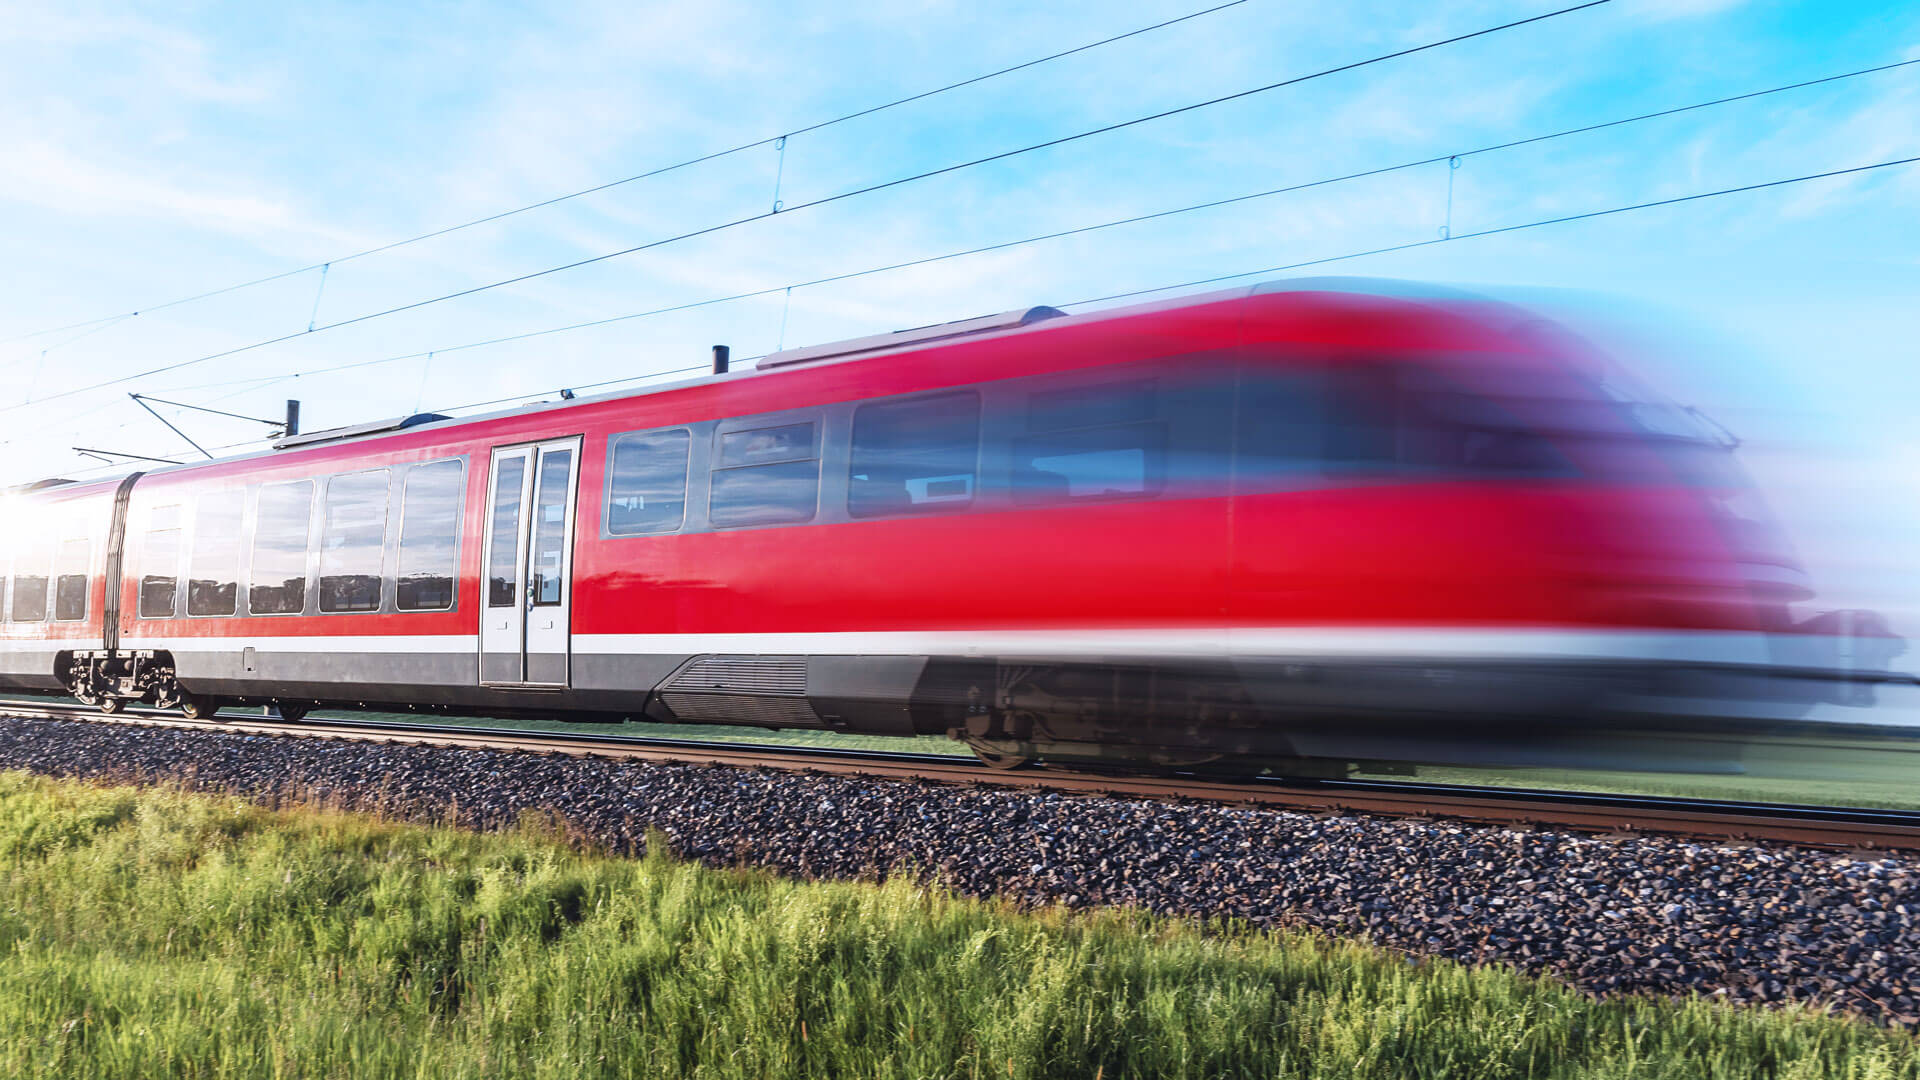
(503, 569)
(160, 564)
(648, 491)
(1407, 416)
(352, 542)
(30, 569)
(429, 536)
(912, 457)
(790, 442)
(550, 527)
(70, 582)
(1091, 406)
(748, 493)
(1283, 423)
(1091, 463)
(1090, 442)
(213, 571)
(278, 584)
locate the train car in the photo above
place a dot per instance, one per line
(1299, 522)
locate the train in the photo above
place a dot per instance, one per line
(1300, 525)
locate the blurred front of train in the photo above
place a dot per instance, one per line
(1459, 533)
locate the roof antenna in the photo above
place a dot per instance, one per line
(721, 355)
(566, 395)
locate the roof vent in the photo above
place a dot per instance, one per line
(354, 431)
(1006, 320)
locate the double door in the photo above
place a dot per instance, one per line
(526, 620)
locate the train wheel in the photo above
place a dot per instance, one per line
(996, 756)
(291, 711)
(194, 707)
(110, 705)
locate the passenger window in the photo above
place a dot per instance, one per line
(1283, 423)
(353, 542)
(1096, 442)
(648, 490)
(160, 564)
(213, 570)
(914, 457)
(281, 530)
(1091, 406)
(766, 476)
(1406, 416)
(503, 562)
(760, 446)
(70, 581)
(429, 536)
(30, 569)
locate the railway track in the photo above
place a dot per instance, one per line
(1834, 828)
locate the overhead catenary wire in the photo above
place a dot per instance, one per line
(1480, 233)
(824, 200)
(1218, 279)
(648, 174)
(787, 288)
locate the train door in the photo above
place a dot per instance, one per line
(525, 630)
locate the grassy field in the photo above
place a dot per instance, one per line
(148, 934)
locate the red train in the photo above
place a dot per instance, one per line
(1290, 522)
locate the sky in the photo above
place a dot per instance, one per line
(150, 153)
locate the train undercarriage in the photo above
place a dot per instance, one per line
(1302, 720)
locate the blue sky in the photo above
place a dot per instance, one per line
(153, 152)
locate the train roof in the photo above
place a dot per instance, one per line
(1018, 322)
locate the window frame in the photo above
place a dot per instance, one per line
(183, 598)
(978, 471)
(308, 587)
(686, 482)
(1155, 425)
(817, 418)
(85, 575)
(13, 586)
(381, 575)
(179, 553)
(459, 534)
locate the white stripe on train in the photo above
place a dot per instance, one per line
(1412, 644)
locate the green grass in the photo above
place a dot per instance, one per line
(148, 934)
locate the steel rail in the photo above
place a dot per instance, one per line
(1834, 828)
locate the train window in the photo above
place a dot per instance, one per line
(914, 457)
(1090, 463)
(763, 446)
(281, 534)
(353, 540)
(1410, 417)
(160, 564)
(30, 571)
(70, 580)
(503, 562)
(1091, 406)
(429, 536)
(550, 526)
(213, 569)
(766, 476)
(648, 489)
(1091, 442)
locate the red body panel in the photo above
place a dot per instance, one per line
(1450, 554)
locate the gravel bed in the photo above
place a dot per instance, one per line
(1755, 924)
